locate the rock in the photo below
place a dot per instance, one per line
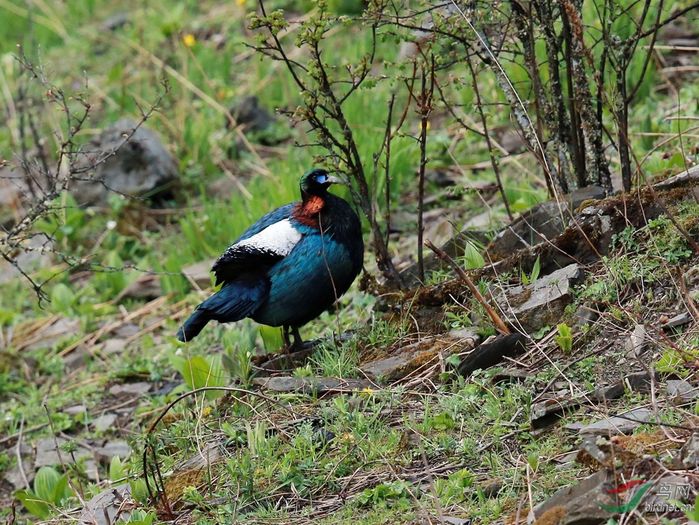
(146, 287)
(132, 389)
(581, 503)
(544, 221)
(623, 424)
(116, 21)
(690, 175)
(47, 455)
(49, 336)
(638, 382)
(199, 273)
(548, 411)
(679, 388)
(510, 375)
(636, 341)
(665, 494)
(492, 352)
(689, 454)
(104, 422)
(678, 320)
(140, 167)
(35, 256)
(249, 114)
(75, 410)
(108, 507)
(581, 195)
(113, 346)
(116, 447)
(407, 359)
(542, 302)
(75, 360)
(310, 385)
(584, 315)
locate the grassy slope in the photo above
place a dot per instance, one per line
(454, 442)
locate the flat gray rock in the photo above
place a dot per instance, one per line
(108, 507)
(104, 422)
(310, 385)
(542, 302)
(134, 389)
(622, 424)
(581, 503)
(125, 162)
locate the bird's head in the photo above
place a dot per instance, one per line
(316, 181)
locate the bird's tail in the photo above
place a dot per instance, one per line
(193, 325)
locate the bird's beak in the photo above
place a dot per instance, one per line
(332, 179)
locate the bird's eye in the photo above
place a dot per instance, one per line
(321, 179)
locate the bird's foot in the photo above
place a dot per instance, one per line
(289, 346)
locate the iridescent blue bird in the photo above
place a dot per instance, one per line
(289, 266)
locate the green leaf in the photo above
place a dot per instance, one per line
(565, 338)
(472, 256)
(116, 469)
(62, 298)
(33, 504)
(45, 483)
(199, 372)
(536, 270)
(272, 338)
(61, 491)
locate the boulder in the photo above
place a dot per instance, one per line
(137, 166)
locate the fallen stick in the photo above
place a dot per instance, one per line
(500, 326)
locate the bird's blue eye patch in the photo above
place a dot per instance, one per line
(321, 178)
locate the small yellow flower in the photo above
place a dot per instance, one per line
(427, 125)
(240, 2)
(189, 40)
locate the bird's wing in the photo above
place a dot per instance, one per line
(257, 251)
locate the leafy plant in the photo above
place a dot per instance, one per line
(564, 339)
(385, 494)
(50, 490)
(534, 275)
(200, 372)
(453, 489)
(472, 256)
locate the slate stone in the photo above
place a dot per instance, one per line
(116, 447)
(638, 382)
(134, 389)
(104, 422)
(48, 336)
(108, 507)
(581, 503)
(492, 352)
(47, 455)
(689, 454)
(679, 388)
(310, 385)
(407, 359)
(677, 320)
(140, 167)
(623, 424)
(543, 222)
(199, 273)
(542, 302)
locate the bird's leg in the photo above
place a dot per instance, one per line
(287, 340)
(298, 342)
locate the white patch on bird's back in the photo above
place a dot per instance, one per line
(279, 238)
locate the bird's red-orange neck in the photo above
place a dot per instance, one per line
(306, 211)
